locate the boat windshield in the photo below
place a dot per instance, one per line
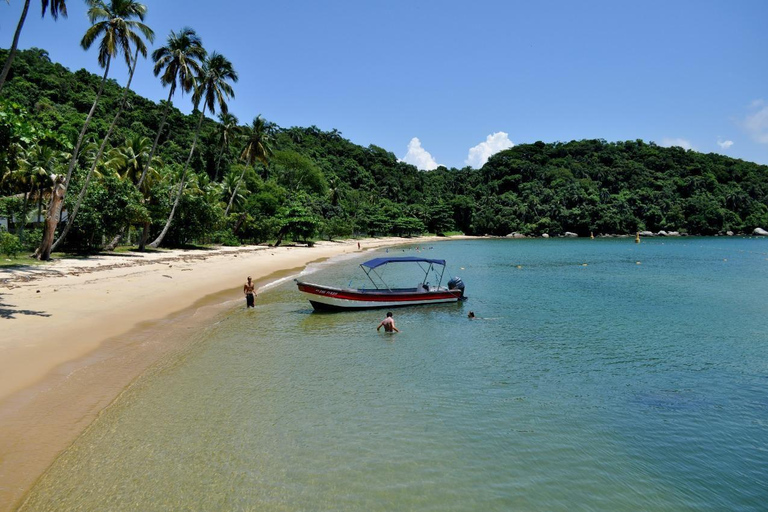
(427, 265)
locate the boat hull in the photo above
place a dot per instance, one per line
(326, 298)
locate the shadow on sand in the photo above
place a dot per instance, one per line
(8, 311)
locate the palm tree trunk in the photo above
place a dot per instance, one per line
(234, 192)
(164, 232)
(14, 45)
(52, 219)
(144, 237)
(97, 159)
(48, 237)
(218, 163)
(24, 213)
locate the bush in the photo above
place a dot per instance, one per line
(226, 238)
(9, 244)
(32, 239)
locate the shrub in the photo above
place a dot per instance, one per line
(9, 244)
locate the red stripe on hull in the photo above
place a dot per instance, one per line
(379, 296)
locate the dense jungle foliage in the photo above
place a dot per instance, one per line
(311, 184)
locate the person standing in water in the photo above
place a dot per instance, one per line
(250, 293)
(388, 324)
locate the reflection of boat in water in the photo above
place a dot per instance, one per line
(325, 298)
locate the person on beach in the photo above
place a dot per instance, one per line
(388, 324)
(250, 293)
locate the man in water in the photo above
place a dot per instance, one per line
(250, 294)
(388, 324)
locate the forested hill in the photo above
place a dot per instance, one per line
(319, 184)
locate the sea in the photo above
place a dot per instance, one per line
(599, 375)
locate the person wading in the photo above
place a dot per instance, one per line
(388, 324)
(250, 293)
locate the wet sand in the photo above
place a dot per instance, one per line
(76, 333)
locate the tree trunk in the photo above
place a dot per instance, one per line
(14, 45)
(73, 161)
(144, 237)
(239, 222)
(84, 190)
(52, 218)
(23, 223)
(234, 192)
(164, 232)
(218, 163)
(280, 236)
(111, 246)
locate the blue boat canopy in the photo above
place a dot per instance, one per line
(377, 262)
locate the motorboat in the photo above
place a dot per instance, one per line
(329, 298)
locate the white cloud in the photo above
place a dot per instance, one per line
(756, 123)
(419, 156)
(724, 144)
(494, 143)
(668, 143)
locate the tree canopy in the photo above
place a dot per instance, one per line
(316, 183)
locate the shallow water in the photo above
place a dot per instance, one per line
(601, 375)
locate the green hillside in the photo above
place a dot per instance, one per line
(318, 184)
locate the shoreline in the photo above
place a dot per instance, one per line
(77, 333)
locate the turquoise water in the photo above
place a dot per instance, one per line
(635, 382)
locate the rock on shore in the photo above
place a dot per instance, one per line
(760, 232)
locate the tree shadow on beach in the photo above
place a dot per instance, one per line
(8, 311)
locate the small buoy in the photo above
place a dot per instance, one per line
(638, 263)
(583, 264)
(462, 268)
(637, 238)
(519, 266)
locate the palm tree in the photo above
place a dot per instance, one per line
(56, 7)
(212, 88)
(226, 129)
(256, 148)
(115, 25)
(179, 61)
(129, 160)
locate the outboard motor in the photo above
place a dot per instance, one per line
(456, 283)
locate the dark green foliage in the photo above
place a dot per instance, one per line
(317, 183)
(109, 202)
(9, 244)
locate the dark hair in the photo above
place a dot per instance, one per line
(389, 313)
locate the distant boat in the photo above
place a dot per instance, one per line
(328, 298)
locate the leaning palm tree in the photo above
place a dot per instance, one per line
(212, 88)
(227, 128)
(112, 22)
(258, 147)
(56, 7)
(179, 62)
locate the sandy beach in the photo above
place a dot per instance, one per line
(76, 333)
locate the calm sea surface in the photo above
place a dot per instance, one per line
(601, 375)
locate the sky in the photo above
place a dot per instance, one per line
(450, 83)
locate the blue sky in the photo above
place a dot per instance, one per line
(463, 75)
